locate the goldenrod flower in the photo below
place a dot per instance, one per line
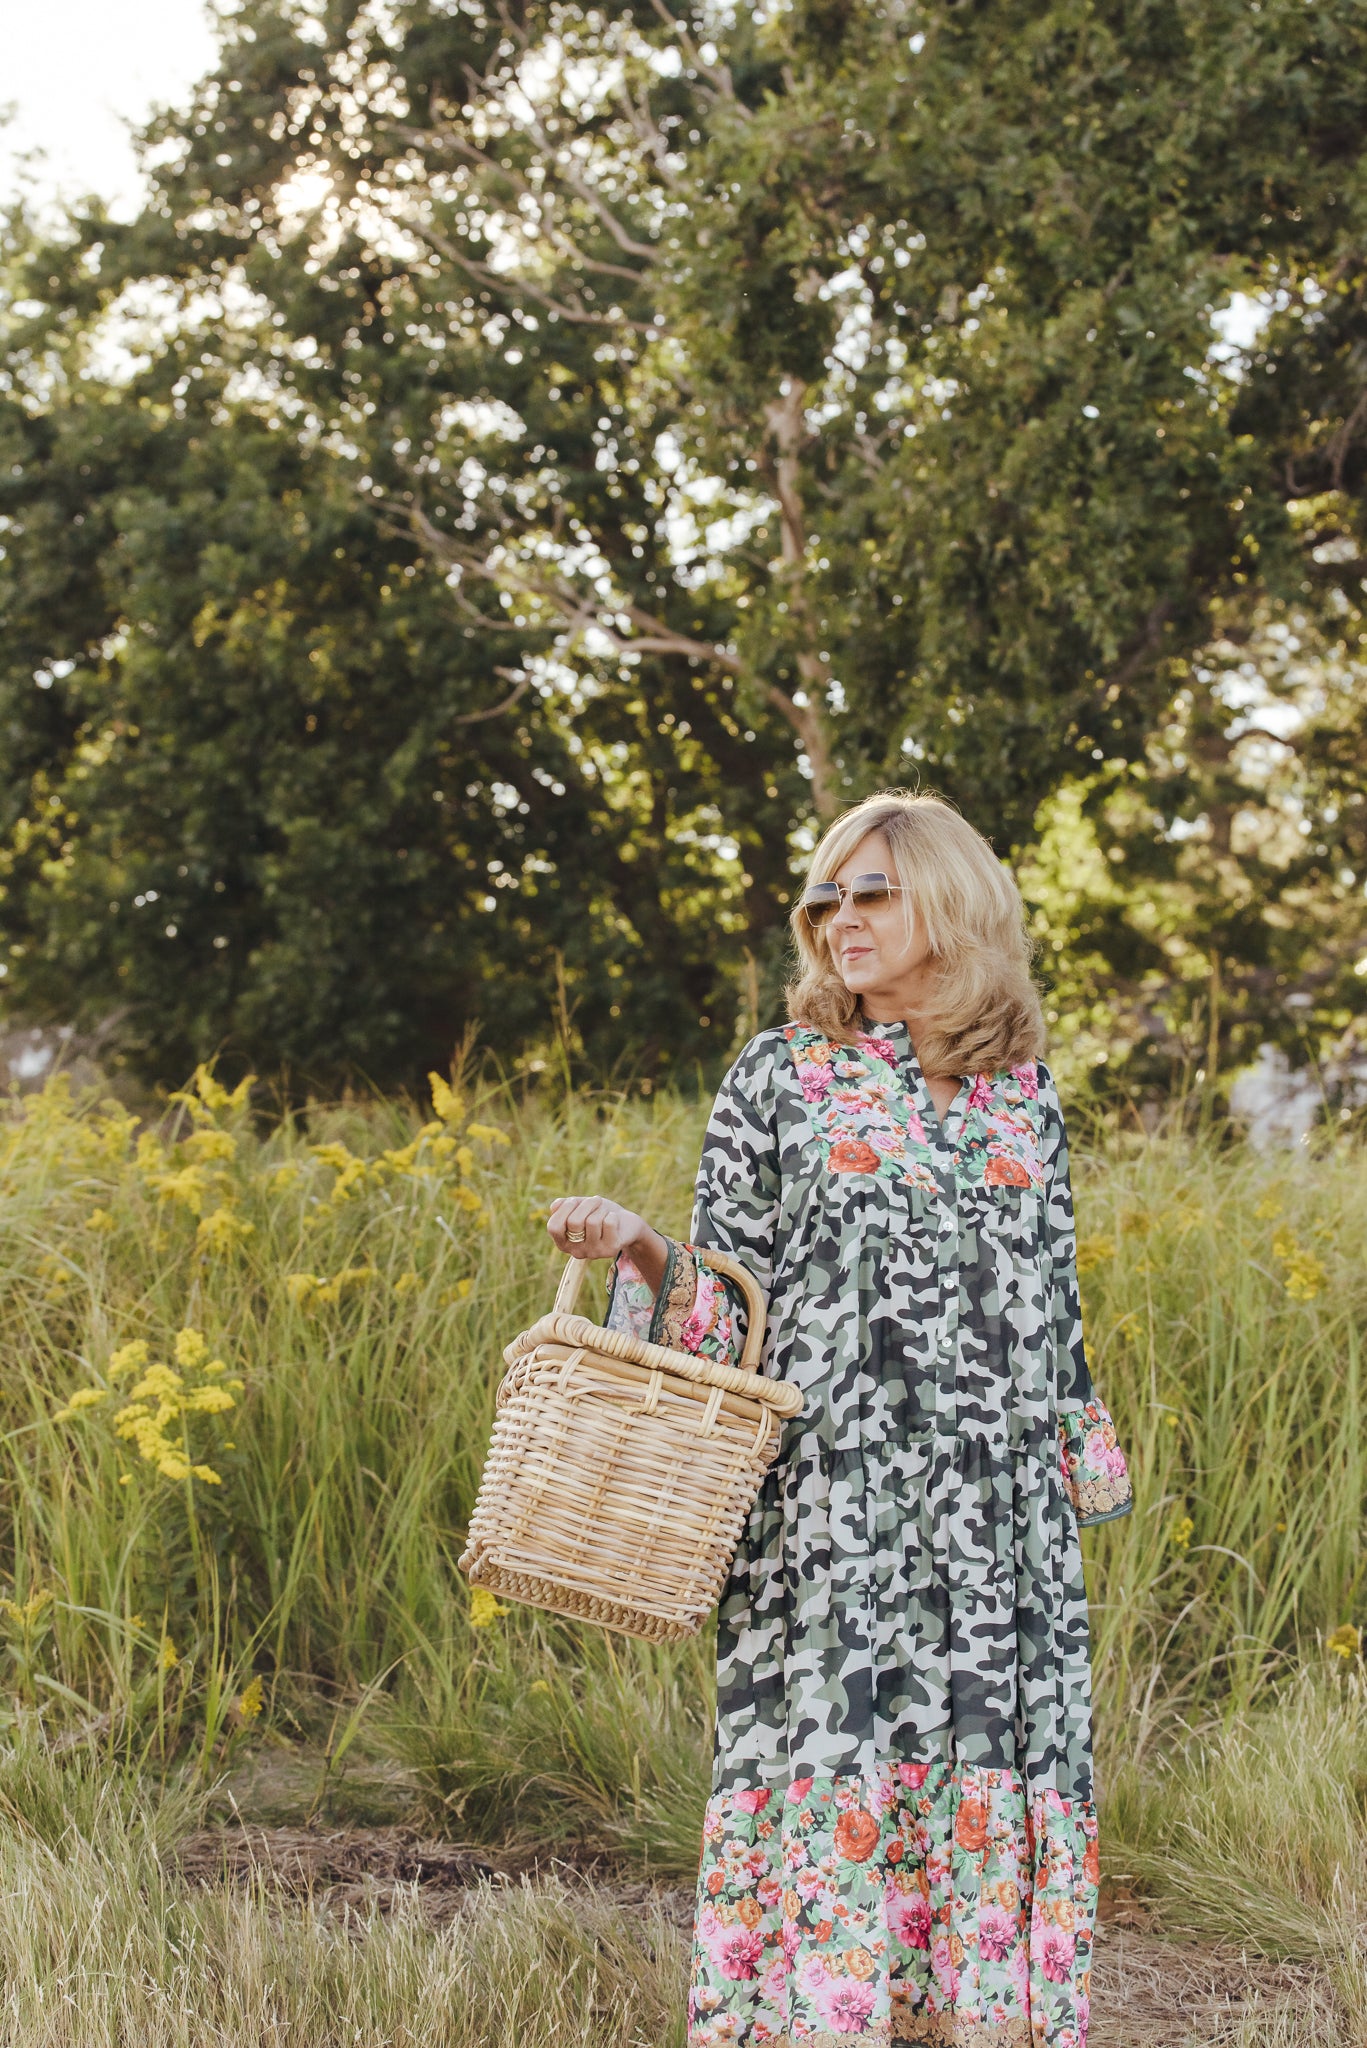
(99, 1219)
(1094, 1251)
(1305, 1274)
(445, 1101)
(223, 1231)
(251, 1700)
(485, 1609)
(168, 1656)
(128, 1358)
(487, 1134)
(26, 1615)
(208, 1401)
(206, 1146)
(1182, 1531)
(406, 1282)
(84, 1397)
(1345, 1642)
(187, 1184)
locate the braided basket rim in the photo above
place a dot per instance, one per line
(581, 1334)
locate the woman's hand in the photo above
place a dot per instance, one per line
(592, 1227)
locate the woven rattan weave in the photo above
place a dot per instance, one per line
(620, 1473)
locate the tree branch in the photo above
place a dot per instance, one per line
(521, 683)
(511, 282)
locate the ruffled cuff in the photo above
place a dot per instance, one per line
(693, 1311)
(1094, 1468)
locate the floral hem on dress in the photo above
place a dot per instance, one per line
(925, 1902)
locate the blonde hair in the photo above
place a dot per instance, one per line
(986, 1014)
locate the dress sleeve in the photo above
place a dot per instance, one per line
(735, 1210)
(1094, 1467)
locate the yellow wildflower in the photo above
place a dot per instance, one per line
(84, 1397)
(1094, 1251)
(251, 1701)
(460, 1292)
(1182, 1531)
(348, 1168)
(99, 1219)
(301, 1287)
(406, 1282)
(1345, 1642)
(158, 1383)
(205, 1146)
(24, 1615)
(128, 1358)
(190, 1349)
(210, 1097)
(168, 1656)
(401, 1158)
(1270, 1207)
(223, 1231)
(1305, 1274)
(485, 1609)
(186, 1184)
(467, 1198)
(208, 1401)
(449, 1106)
(487, 1134)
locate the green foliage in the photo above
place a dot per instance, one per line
(649, 429)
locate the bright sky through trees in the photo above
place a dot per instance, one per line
(75, 73)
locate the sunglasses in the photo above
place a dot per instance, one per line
(866, 892)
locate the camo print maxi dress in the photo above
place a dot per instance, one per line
(901, 1843)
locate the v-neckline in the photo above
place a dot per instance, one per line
(931, 1119)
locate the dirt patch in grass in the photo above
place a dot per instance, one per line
(1147, 1992)
(356, 1872)
(1152, 1993)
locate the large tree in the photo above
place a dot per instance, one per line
(786, 401)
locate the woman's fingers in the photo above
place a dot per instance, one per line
(587, 1226)
(574, 1223)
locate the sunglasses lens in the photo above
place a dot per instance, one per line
(821, 903)
(870, 892)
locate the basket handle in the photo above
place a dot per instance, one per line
(572, 1279)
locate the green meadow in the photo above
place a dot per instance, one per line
(248, 1374)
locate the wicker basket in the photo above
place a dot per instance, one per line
(620, 1473)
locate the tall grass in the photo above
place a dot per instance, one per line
(102, 1946)
(361, 1278)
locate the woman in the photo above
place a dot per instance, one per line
(901, 1843)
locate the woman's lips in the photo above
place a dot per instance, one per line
(856, 952)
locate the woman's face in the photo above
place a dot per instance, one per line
(869, 947)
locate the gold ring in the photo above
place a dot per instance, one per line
(575, 1236)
